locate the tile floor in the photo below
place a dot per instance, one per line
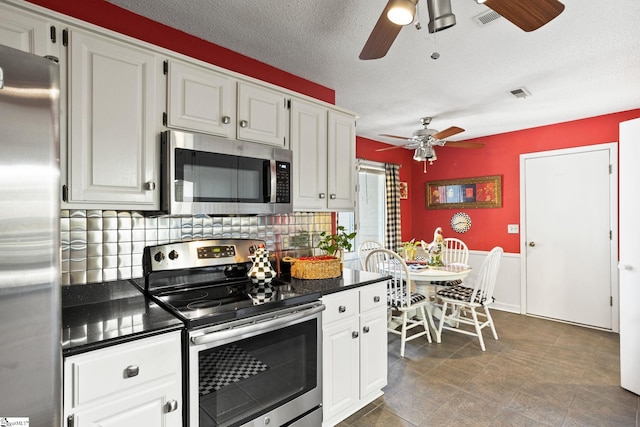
(539, 373)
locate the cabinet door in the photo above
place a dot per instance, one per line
(262, 115)
(113, 135)
(309, 147)
(201, 100)
(26, 32)
(341, 169)
(373, 351)
(147, 408)
(340, 367)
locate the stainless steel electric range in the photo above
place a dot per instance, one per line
(252, 355)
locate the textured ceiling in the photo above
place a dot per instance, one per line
(584, 63)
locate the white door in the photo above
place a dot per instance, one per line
(629, 255)
(567, 245)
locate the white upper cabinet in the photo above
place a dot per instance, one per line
(323, 142)
(208, 101)
(114, 123)
(262, 115)
(341, 166)
(28, 32)
(201, 100)
(309, 147)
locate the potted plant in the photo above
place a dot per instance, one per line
(336, 244)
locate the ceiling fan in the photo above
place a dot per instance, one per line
(528, 15)
(424, 140)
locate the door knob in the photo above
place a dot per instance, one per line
(244, 123)
(226, 120)
(532, 244)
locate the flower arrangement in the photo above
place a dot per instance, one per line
(409, 248)
(336, 243)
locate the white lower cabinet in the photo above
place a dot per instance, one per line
(354, 332)
(138, 383)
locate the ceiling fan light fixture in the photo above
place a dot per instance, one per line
(402, 12)
(420, 154)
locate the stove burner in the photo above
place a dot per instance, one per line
(179, 298)
(204, 304)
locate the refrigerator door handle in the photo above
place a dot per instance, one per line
(1, 78)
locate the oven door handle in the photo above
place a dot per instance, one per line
(252, 327)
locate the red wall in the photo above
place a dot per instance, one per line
(107, 15)
(500, 156)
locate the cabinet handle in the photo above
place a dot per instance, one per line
(226, 120)
(150, 185)
(332, 196)
(365, 329)
(131, 371)
(244, 123)
(171, 406)
(376, 299)
(342, 309)
(322, 195)
(354, 334)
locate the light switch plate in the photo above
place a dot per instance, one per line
(512, 228)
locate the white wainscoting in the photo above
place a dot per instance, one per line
(507, 291)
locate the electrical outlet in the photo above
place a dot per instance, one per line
(286, 244)
(512, 229)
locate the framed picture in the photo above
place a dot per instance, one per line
(479, 192)
(404, 190)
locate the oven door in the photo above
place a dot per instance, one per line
(265, 370)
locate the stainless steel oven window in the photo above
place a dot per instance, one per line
(274, 374)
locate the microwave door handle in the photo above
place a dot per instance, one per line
(274, 181)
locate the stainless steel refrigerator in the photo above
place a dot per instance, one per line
(30, 345)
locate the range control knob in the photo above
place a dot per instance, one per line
(159, 256)
(173, 254)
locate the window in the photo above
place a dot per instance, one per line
(369, 219)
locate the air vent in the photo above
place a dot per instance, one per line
(486, 17)
(521, 92)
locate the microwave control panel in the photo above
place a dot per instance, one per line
(283, 182)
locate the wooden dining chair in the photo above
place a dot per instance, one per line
(464, 300)
(400, 299)
(365, 248)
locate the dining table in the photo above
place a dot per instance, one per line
(425, 279)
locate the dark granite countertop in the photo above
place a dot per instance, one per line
(350, 279)
(104, 314)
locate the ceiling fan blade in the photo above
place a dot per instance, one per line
(463, 144)
(443, 134)
(381, 37)
(527, 14)
(393, 147)
(395, 136)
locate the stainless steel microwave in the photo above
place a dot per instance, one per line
(204, 174)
